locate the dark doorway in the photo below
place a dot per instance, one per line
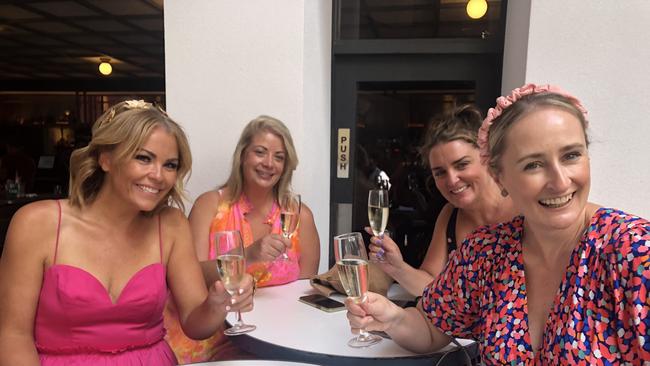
(385, 92)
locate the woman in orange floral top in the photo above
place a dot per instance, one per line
(262, 167)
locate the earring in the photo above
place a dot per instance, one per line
(504, 193)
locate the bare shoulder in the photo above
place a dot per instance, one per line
(209, 197)
(172, 217)
(445, 213)
(305, 212)
(42, 215)
(208, 201)
(36, 215)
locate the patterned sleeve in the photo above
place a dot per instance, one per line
(631, 292)
(451, 301)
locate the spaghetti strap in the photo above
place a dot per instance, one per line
(160, 242)
(58, 231)
(451, 230)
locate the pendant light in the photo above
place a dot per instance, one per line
(476, 9)
(105, 67)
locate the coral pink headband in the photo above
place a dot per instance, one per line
(506, 101)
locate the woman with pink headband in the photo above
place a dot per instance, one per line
(565, 283)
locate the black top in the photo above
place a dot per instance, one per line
(451, 231)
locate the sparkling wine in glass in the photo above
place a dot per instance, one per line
(231, 266)
(378, 210)
(352, 265)
(289, 216)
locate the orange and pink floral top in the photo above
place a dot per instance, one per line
(278, 272)
(233, 217)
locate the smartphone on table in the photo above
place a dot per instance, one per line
(322, 302)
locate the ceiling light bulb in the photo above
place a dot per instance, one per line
(105, 68)
(476, 9)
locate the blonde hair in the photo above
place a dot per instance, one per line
(496, 142)
(123, 129)
(235, 183)
(461, 124)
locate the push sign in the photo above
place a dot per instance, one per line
(343, 152)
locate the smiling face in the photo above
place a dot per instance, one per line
(545, 168)
(263, 161)
(146, 178)
(457, 171)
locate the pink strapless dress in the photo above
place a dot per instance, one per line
(77, 323)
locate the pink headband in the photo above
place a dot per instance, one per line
(507, 101)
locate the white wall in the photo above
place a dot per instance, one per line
(229, 61)
(597, 50)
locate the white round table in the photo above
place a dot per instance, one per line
(290, 330)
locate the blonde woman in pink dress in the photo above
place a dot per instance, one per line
(85, 280)
(262, 168)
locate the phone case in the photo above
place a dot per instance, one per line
(308, 301)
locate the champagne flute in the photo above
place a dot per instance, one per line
(378, 213)
(289, 216)
(378, 210)
(352, 265)
(231, 266)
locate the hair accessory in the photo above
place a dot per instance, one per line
(135, 104)
(106, 120)
(504, 102)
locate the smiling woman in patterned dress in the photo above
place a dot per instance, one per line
(564, 283)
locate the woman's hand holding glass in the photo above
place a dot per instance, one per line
(242, 300)
(352, 266)
(268, 248)
(377, 313)
(289, 217)
(231, 265)
(385, 252)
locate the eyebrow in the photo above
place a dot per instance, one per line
(452, 163)
(563, 149)
(266, 149)
(154, 155)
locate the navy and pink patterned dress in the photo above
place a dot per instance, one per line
(600, 312)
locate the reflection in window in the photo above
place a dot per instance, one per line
(413, 19)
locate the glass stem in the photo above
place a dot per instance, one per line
(239, 321)
(363, 334)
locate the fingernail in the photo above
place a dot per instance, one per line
(227, 308)
(241, 291)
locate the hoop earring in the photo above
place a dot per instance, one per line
(504, 193)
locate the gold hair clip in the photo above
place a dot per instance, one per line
(135, 104)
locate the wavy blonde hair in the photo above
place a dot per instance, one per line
(235, 183)
(123, 129)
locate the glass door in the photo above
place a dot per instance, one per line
(382, 106)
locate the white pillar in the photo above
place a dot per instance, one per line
(598, 51)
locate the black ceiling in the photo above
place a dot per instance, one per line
(57, 45)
